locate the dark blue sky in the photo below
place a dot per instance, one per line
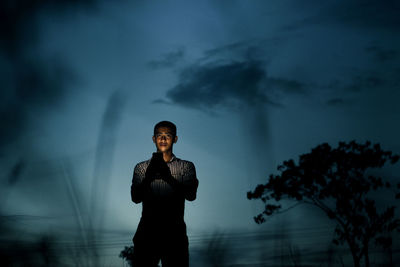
(248, 83)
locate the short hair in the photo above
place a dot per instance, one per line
(166, 124)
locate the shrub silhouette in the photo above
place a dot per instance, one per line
(335, 181)
(127, 255)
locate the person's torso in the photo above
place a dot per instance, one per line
(162, 201)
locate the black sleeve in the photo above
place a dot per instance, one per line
(190, 182)
(139, 183)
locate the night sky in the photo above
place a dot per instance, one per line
(248, 84)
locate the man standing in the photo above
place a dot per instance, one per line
(162, 184)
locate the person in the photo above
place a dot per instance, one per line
(162, 184)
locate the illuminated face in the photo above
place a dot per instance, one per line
(164, 139)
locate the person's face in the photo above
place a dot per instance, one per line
(164, 139)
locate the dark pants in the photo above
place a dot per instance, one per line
(167, 242)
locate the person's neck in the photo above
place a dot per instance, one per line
(167, 156)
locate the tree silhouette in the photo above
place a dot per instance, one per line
(336, 181)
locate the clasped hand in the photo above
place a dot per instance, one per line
(158, 169)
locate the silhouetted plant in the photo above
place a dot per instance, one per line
(335, 181)
(127, 255)
(217, 250)
(295, 255)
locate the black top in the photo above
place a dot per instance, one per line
(162, 201)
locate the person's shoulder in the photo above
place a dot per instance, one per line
(143, 163)
(185, 162)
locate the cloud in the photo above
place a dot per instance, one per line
(363, 85)
(29, 81)
(374, 81)
(15, 172)
(168, 60)
(286, 85)
(372, 14)
(30, 86)
(212, 86)
(382, 54)
(19, 20)
(230, 50)
(337, 101)
(369, 13)
(231, 85)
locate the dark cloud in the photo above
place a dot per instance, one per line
(372, 81)
(286, 85)
(168, 60)
(371, 14)
(15, 172)
(363, 83)
(232, 76)
(250, 50)
(231, 85)
(19, 20)
(353, 90)
(229, 49)
(29, 81)
(42, 83)
(211, 86)
(368, 13)
(337, 101)
(381, 54)
(371, 26)
(30, 86)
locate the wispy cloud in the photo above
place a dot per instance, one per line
(168, 60)
(337, 101)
